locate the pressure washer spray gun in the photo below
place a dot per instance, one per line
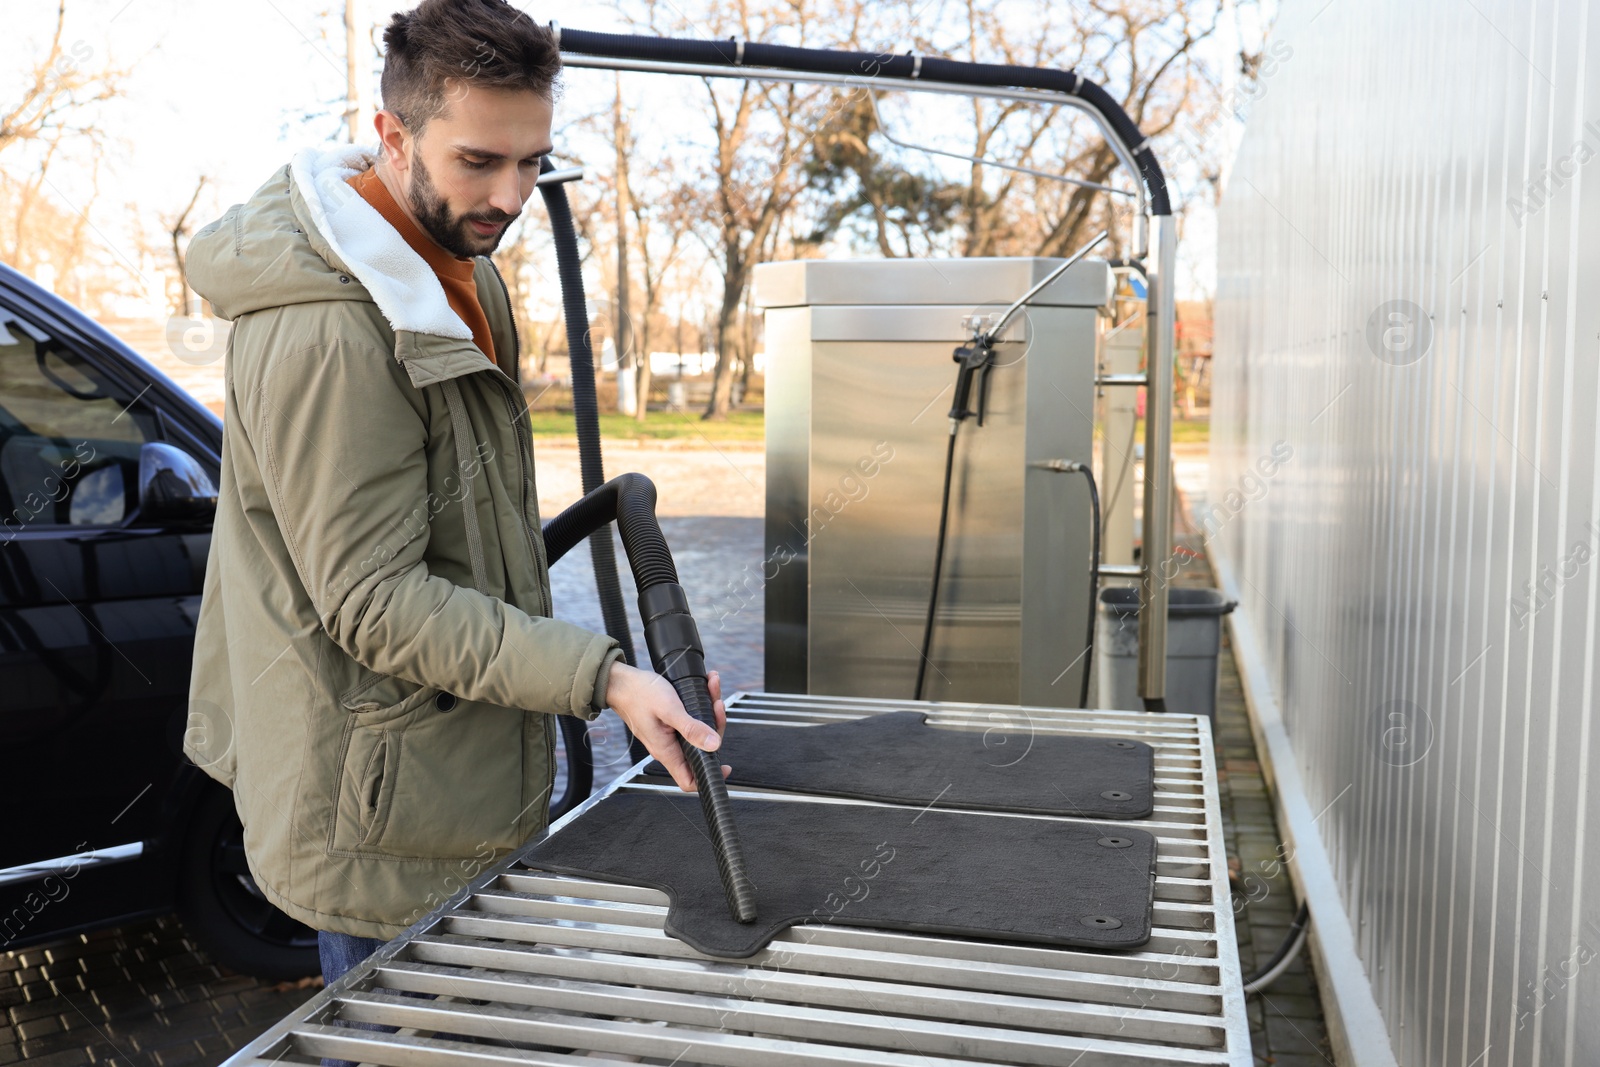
(974, 361)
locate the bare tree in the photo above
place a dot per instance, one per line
(789, 166)
(357, 74)
(661, 225)
(178, 227)
(50, 117)
(623, 327)
(852, 178)
(1143, 51)
(746, 211)
(514, 258)
(756, 174)
(58, 92)
(1156, 40)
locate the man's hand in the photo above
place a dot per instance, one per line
(649, 707)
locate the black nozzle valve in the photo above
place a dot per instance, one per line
(974, 360)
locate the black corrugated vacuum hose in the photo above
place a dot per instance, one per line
(585, 404)
(586, 414)
(674, 644)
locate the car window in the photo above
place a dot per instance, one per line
(69, 437)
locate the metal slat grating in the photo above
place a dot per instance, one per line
(531, 968)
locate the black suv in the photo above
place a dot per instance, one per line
(108, 475)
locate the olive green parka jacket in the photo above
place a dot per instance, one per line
(375, 665)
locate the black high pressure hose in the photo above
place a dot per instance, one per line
(586, 414)
(938, 565)
(674, 643)
(1074, 467)
(938, 561)
(1094, 580)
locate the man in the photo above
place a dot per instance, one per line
(375, 668)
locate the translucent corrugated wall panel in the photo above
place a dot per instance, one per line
(1406, 439)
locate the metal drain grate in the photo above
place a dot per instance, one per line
(542, 969)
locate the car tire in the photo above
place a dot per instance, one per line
(224, 910)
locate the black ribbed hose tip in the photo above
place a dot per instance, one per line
(718, 811)
(678, 655)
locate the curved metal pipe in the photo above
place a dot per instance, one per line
(1038, 96)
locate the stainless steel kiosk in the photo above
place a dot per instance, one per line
(859, 383)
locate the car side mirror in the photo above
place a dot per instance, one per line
(173, 487)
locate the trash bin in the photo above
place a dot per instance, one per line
(1194, 639)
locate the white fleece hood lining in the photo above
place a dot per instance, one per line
(402, 284)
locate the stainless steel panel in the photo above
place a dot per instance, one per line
(785, 568)
(546, 969)
(1121, 356)
(865, 420)
(953, 282)
(1403, 495)
(907, 322)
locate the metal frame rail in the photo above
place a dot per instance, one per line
(732, 59)
(547, 970)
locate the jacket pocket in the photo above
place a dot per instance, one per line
(370, 751)
(382, 697)
(377, 786)
(430, 784)
(364, 796)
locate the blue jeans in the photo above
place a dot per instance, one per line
(339, 953)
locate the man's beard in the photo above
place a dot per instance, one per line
(453, 233)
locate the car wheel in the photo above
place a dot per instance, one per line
(224, 909)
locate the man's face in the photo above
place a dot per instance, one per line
(475, 165)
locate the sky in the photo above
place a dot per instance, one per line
(231, 88)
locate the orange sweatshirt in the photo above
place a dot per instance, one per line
(455, 273)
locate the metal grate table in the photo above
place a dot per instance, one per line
(539, 969)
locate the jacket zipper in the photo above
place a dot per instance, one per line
(524, 447)
(516, 343)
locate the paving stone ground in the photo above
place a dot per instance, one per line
(144, 995)
(141, 994)
(1287, 1027)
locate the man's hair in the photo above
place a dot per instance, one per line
(443, 44)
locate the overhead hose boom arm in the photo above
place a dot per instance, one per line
(867, 66)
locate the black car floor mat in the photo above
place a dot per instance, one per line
(898, 758)
(988, 876)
